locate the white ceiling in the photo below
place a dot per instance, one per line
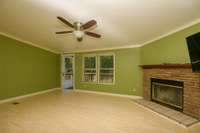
(122, 23)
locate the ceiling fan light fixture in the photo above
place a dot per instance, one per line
(78, 34)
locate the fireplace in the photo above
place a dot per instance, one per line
(167, 92)
(189, 81)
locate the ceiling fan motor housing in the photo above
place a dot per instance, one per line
(77, 26)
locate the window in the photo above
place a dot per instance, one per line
(100, 67)
(106, 69)
(90, 72)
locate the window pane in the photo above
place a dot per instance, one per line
(68, 65)
(68, 75)
(68, 62)
(90, 62)
(90, 77)
(106, 69)
(106, 78)
(106, 61)
(89, 69)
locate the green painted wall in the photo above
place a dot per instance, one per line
(128, 74)
(171, 49)
(25, 69)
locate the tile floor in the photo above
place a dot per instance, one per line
(78, 112)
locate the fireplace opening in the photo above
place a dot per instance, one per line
(167, 92)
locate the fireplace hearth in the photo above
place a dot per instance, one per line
(167, 92)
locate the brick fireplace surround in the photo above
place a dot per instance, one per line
(178, 72)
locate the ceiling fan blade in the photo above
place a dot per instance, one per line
(64, 32)
(89, 24)
(92, 34)
(65, 21)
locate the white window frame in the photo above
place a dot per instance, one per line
(83, 68)
(97, 56)
(99, 64)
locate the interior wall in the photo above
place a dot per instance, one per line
(127, 73)
(25, 69)
(171, 49)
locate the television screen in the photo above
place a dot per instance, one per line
(193, 43)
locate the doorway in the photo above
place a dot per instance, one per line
(68, 72)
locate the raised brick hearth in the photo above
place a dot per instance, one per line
(191, 94)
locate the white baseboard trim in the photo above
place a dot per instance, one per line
(109, 94)
(28, 95)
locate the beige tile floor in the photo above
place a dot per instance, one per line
(78, 112)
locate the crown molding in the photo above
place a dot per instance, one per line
(27, 42)
(104, 49)
(171, 32)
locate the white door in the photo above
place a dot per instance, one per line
(67, 74)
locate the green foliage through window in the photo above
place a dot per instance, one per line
(90, 62)
(90, 69)
(68, 63)
(106, 61)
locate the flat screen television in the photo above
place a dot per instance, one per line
(193, 43)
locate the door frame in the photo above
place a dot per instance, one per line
(63, 56)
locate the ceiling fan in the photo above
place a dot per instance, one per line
(79, 29)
